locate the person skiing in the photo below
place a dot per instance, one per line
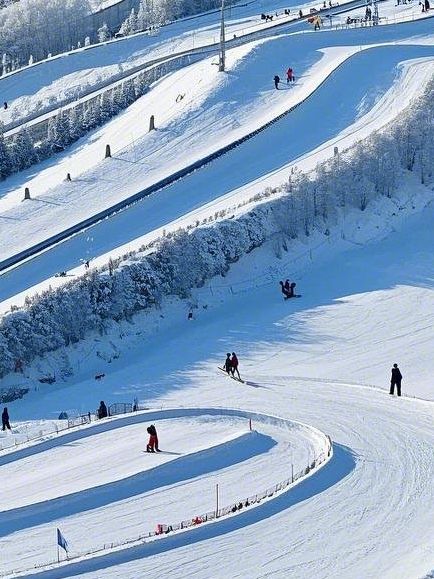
(228, 364)
(276, 81)
(395, 380)
(234, 366)
(152, 445)
(102, 410)
(290, 75)
(300, 14)
(5, 419)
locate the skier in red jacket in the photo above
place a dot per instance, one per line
(152, 445)
(290, 75)
(234, 365)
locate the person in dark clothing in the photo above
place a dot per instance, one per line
(5, 419)
(152, 445)
(102, 410)
(276, 81)
(427, 5)
(288, 289)
(234, 365)
(300, 14)
(395, 380)
(5, 105)
(228, 364)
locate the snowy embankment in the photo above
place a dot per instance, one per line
(149, 158)
(103, 474)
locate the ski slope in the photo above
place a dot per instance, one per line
(197, 443)
(323, 360)
(36, 88)
(188, 131)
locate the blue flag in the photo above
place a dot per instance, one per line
(61, 541)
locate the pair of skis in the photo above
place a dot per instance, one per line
(230, 375)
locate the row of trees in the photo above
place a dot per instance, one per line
(31, 30)
(151, 14)
(186, 260)
(25, 148)
(36, 28)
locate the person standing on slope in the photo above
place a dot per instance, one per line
(152, 445)
(276, 81)
(102, 410)
(290, 75)
(234, 365)
(5, 419)
(228, 364)
(395, 380)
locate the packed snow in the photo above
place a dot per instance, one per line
(323, 360)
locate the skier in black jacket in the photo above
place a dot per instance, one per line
(5, 419)
(228, 364)
(102, 410)
(395, 380)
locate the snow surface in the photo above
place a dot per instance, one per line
(312, 360)
(70, 75)
(324, 360)
(81, 471)
(232, 109)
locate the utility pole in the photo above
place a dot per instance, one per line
(222, 40)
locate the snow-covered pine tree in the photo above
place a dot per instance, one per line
(58, 135)
(75, 122)
(23, 153)
(103, 33)
(5, 157)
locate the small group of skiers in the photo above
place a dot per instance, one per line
(5, 420)
(290, 77)
(231, 365)
(288, 289)
(425, 5)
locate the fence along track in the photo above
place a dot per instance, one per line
(166, 529)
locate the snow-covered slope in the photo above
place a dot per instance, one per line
(191, 133)
(324, 359)
(367, 301)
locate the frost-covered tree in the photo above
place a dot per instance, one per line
(5, 157)
(58, 134)
(37, 27)
(22, 151)
(103, 33)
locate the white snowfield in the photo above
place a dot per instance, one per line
(323, 360)
(185, 129)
